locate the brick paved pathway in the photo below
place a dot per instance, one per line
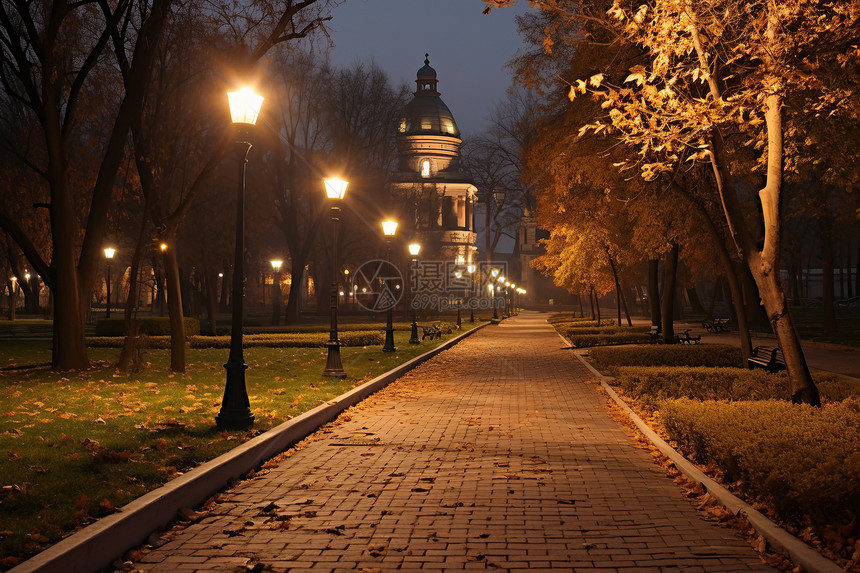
(498, 454)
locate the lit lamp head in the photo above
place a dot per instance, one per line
(389, 228)
(276, 264)
(458, 274)
(471, 269)
(27, 277)
(494, 272)
(335, 188)
(244, 106)
(109, 253)
(502, 280)
(163, 247)
(414, 249)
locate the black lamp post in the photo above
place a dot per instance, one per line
(109, 252)
(235, 408)
(276, 290)
(335, 189)
(388, 229)
(414, 249)
(504, 296)
(471, 269)
(494, 273)
(162, 279)
(458, 275)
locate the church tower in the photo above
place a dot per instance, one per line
(439, 196)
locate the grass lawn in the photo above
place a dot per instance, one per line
(76, 446)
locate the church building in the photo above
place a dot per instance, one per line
(437, 195)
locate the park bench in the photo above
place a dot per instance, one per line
(433, 331)
(686, 338)
(716, 325)
(655, 334)
(769, 358)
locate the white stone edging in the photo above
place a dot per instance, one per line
(98, 545)
(779, 539)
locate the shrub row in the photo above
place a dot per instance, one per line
(802, 460)
(588, 340)
(290, 340)
(564, 321)
(118, 341)
(715, 355)
(580, 330)
(300, 340)
(651, 384)
(150, 325)
(306, 328)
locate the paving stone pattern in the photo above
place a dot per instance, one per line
(498, 454)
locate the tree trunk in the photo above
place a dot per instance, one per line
(617, 285)
(293, 300)
(695, 302)
(174, 306)
(132, 327)
(70, 305)
(668, 298)
(828, 313)
(13, 299)
(709, 315)
(654, 292)
(211, 298)
(763, 264)
(626, 310)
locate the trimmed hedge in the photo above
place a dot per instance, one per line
(293, 340)
(150, 325)
(802, 460)
(118, 341)
(588, 340)
(650, 384)
(580, 322)
(580, 330)
(715, 355)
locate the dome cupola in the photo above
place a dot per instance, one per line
(427, 114)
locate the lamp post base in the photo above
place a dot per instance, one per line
(235, 411)
(389, 341)
(413, 339)
(333, 365)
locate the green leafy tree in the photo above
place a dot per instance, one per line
(714, 78)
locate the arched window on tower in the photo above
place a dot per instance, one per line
(426, 168)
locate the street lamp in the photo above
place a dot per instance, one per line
(276, 290)
(414, 249)
(504, 296)
(162, 279)
(471, 270)
(109, 252)
(458, 275)
(13, 292)
(335, 189)
(388, 229)
(235, 408)
(494, 273)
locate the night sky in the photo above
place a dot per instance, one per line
(467, 49)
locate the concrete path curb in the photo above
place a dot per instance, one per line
(780, 540)
(98, 545)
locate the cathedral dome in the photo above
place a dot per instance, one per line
(427, 114)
